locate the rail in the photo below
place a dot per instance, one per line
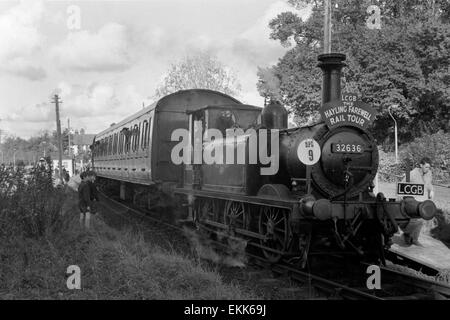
(419, 288)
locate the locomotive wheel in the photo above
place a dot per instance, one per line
(235, 215)
(209, 210)
(273, 224)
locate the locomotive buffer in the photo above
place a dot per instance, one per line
(433, 254)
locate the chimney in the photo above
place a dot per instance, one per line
(331, 65)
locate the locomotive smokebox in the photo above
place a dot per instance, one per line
(331, 65)
(274, 116)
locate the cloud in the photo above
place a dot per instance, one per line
(242, 54)
(38, 113)
(98, 104)
(91, 100)
(24, 67)
(92, 106)
(253, 48)
(255, 44)
(21, 39)
(103, 51)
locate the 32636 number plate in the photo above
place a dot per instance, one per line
(346, 148)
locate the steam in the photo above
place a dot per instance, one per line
(232, 254)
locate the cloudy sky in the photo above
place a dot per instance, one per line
(109, 62)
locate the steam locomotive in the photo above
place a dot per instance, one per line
(241, 172)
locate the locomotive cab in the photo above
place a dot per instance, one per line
(208, 130)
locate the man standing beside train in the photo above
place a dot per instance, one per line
(84, 201)
(421, 175)
(93, 191)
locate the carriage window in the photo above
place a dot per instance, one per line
(135, 137)
(114, 144)
(225, 120)
(132, 140)
(119, 151)
(119, 136)
(138, 136)
(127, 141)
(116, 148)
(144, 135)
(122, 142)
(148, 134)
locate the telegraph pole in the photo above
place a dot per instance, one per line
(56, 101)
(327, 27)
(68, 128)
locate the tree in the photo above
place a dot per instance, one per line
(405, 64)
(198, 71)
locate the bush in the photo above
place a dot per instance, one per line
(388, 170)
(435, 146)
(40, 237)
(29, 204)
(114, 265)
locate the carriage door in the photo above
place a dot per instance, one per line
(192, 172)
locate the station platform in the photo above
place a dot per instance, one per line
(433, 253)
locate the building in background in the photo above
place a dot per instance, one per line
(81, 143)
(67, 163)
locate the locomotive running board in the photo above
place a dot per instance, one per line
(237, 230)
(258, 200)
(249, 243)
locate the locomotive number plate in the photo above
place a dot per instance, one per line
(346, 148)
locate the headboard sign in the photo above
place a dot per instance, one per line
(348, 112)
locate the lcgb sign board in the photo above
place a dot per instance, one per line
(348, 112)
(410, 189)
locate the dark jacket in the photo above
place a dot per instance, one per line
(93, 191)
(84, 196)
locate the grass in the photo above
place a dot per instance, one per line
(114, 265)
(443, 276)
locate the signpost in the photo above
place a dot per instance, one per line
(410, 189)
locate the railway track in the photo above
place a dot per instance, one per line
(396, 285)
